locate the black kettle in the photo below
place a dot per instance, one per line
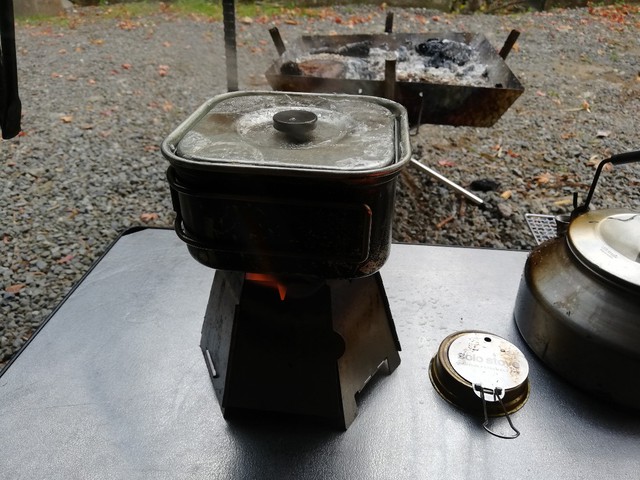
(10, 106)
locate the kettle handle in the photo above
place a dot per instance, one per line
(618, 159)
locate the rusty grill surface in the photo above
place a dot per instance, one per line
(450, 100)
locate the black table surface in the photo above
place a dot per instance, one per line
(115, 386)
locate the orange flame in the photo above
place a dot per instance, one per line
(268, 281)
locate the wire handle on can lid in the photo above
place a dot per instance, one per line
(497, 393)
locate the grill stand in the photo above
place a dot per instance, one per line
(390, 90)
(307, 355)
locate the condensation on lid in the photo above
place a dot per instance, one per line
(352, 133)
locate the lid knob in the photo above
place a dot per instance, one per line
(296, 124)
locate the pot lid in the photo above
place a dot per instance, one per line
(293, 130)
(608, 241)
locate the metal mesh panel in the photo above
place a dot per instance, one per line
(543, 227)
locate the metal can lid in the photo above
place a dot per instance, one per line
(321, 132)
(607, 242)
(471, 359)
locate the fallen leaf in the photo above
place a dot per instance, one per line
(446, 163)
(564, 201)
(594, 160)
(543, 178)
(167, 106)
(163, 70)
(97, 41)
(246, 20)
(291, 22)
(66, 118)
(126, 66)
(148, 217)
(65, 259)
(442, 223)
(128, 25)
(13, 289)
(506, 194)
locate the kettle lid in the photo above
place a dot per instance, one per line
(608, 242)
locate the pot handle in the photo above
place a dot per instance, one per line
(618, 159)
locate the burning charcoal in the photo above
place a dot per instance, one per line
(290, 68)
(355, 49)
(325, 68)
(443, 53)
(429, 48)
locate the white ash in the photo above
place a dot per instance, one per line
(410, 67)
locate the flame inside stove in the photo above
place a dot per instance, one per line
(268, 281)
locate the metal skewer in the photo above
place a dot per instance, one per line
(467, 194)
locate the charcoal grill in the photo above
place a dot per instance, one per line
(432, 101)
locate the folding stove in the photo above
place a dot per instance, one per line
(291, 198)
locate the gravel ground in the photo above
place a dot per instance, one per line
(100, 93)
